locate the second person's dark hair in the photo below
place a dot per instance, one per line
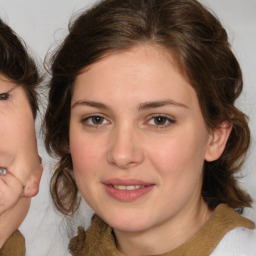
(17, 66)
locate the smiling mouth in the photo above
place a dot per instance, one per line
(130, 187)
(127, 192)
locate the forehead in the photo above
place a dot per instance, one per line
(6, 84)
(141, 73)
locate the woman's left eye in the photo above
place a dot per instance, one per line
(94, 120)
(161, 121)
(4, 96)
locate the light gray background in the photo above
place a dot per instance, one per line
(42, 24)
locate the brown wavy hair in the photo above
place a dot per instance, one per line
(198, 42)
(17, 66)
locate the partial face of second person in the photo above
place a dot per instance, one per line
(138, 142)
(18, 147)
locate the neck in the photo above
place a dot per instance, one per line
(166, 236)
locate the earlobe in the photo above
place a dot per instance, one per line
(217, 142)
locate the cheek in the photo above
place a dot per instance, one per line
(179, 155)
(179, 165)
(87, 162)
(17, 132)
(86, 158)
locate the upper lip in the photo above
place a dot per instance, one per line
(126, 182)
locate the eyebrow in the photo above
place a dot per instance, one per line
(157, 104)
(141, 107)
(90, 104)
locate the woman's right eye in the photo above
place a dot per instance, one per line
(4, 96)
(94, 120)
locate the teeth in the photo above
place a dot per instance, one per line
(131, 187)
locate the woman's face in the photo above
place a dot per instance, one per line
(18, 148)
(138, 140)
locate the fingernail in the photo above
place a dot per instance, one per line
(3, 171)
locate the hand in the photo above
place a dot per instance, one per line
(11, 219)
(11, 189)
(28, 169)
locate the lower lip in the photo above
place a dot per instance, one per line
(127, 195)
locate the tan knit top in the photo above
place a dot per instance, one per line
(98, 240)
(15, 245)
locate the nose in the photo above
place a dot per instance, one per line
(125, 148)
(31, 188)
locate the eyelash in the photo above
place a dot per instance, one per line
(165, 118)
(4, 96)
(85, 120)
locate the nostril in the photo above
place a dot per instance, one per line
(124, 150)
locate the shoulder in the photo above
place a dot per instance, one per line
(14, 246)
(97, 240)
(237, 242)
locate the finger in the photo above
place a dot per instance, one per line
(11, 181)
(11, 190)
(7, 201)
(7, 197)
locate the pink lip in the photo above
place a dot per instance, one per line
(127, 195)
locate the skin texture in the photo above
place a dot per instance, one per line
(18, 154)
(164, 145)
(11, 189)
(11, 219)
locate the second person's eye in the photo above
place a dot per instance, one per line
(4, 96)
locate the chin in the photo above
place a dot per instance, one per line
(129, 227)
(125, 222)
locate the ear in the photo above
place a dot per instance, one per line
(32, 186)
(217, 141)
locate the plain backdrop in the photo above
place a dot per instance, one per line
(43, 24)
